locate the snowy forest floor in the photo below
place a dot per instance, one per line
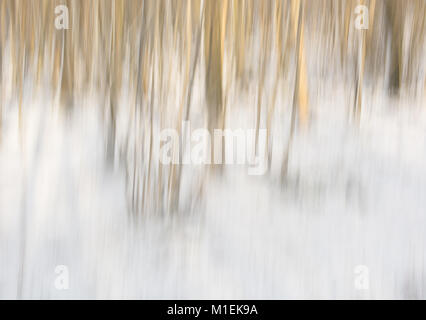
(354, 195)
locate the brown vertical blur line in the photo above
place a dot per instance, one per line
(168, 201)
(345, 32)
(153, 60)
(413, 40)
(63, 64)
(227, 27)
(361, 34)
(421, 40)
(300, 90)
(417, 43)
(114, 72)
(56, 41)
(279, 45)
(224, 91)
(138, 99)
(394, 23)
(24, 39)
(199, 22)
(175, 169)
(193, 66)
(146, 182)
(156, 48)
(2, 43)
(364, 39)
(224, 24)
(67, 63)
(372, 11)
(41, 40)
(160, 47)
(213, 62)
(239, 26)
(265, 12)
(139, 63)
(302, 79)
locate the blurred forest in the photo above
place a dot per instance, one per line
(154, 64)
(81, 181)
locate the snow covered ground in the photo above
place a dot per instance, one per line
(354, 196)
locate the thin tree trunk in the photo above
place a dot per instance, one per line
(300, 96)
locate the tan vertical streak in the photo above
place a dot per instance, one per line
(174, 177)
(345, 35)
(364, 36)
(213, 56)
(239, 32)
(279, 47)
(67, 53)
(300, 98)
(223, 21)
(394, 16)
(2, 41)
(302, 78)
(265, 25)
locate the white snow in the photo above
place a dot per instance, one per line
(354, 196)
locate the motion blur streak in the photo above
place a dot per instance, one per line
(87, 210)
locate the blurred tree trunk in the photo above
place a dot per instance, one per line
(300, 95)
(3, 30)
(67, 64)
(213, 62)
(394, 25)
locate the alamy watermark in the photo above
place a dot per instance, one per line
(361, 19)
(200, 147)
(62, 278)
(62, 18)
(362, 277)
